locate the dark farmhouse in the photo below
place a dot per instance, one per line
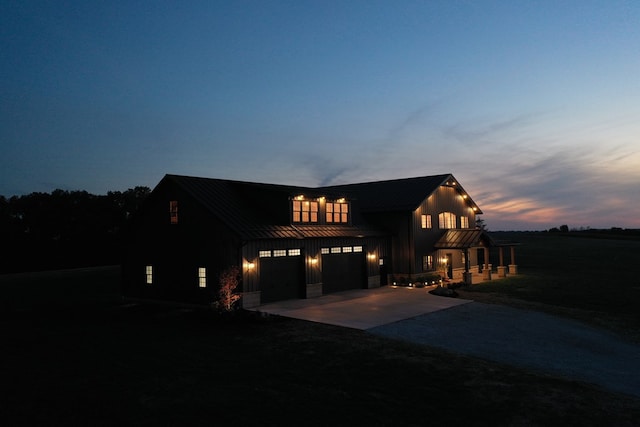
(298, 242)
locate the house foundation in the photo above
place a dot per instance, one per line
(251, 299)
(314, 290)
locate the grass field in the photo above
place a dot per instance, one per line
(591, 279)
(75, 353)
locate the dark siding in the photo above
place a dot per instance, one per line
(444, 199)
(176, 251)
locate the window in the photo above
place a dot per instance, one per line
(427, 262)
(294, 252)
(305, 211)
(202, 277)
(447, 220)
(337, 212)
(464, 222)
(149, 273)
(173, 211)
(264, 254)
(279, 252)
(425, 221)
(341, 250)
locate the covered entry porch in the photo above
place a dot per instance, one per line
(466, 240)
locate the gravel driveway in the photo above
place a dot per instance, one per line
(529, 339)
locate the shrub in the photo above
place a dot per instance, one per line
(227, 296)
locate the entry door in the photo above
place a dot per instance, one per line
(449, 266)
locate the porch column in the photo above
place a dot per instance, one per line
(513, 268)
(486, 271)
(467, 275)
(502, 270)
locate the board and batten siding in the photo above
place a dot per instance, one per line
(444, 199)
(310, 254)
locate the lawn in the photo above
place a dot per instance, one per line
(591, 279)
(75, 353)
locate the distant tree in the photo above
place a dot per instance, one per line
(564, 228)
(227, 296)
(481, 224)
(554, 230)
(65, 229)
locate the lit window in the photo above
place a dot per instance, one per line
(305, 211)
(279, 252)
(336, 250)
(447, 220)
(337, 212)
(324, 251)
(357, 249)
(173, 211)
(347, 249)
(294, 252)
(149, 274)
(464, 222)
(202, 277)
(264, 254)
(425, 221)
(427, 263)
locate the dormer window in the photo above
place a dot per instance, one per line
(305, 211)
(337, 212)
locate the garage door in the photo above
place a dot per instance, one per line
(343, 268)
(281, 277)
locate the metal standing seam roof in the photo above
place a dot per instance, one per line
(398, 194)
(463, 239)
(234, 202)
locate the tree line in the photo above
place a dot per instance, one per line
(65, 229)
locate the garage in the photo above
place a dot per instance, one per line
(343, 268)
(281, 276)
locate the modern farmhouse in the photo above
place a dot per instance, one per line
(298, 242)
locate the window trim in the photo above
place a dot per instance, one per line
(305, 211)
(425, 221)
(173, 211)
(202, 277)
(148, 269)
(447, 220)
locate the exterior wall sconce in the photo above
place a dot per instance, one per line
(250, 265)
(372, 257)
(313, 261)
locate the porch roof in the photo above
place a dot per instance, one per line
(464, 239)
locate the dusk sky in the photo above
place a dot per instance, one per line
(534, 106)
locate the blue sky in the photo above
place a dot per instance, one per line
(533, 105)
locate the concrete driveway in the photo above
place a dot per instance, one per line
(363, 308)
(503, 334)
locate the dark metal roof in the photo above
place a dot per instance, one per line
(398, 194)
(464, 239)
(260, 211)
